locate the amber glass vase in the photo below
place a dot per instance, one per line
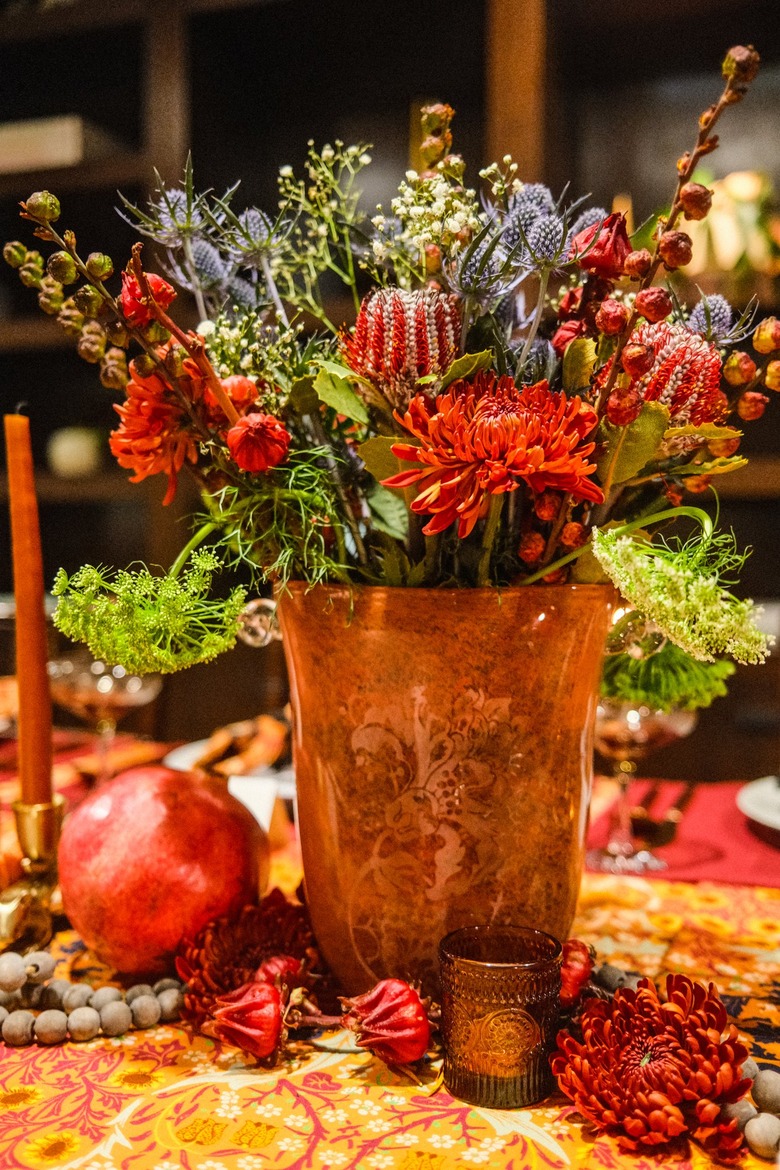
(443, 744)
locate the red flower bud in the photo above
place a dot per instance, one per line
(546, 505)
(772, 376)
(602, 248)
(566, 333)
(696, 200)
(676, 249)
(282, 971)
(391, 1021)
(697, 483)
(612, 317)
(638, 263)
(573, 535)
(135, 307)
(570, 302)
(637, 359)
(739, 368)
(766, 338)
(576, 966)
(673, 494)
(724, 446)
(250, 1018)
(556, 577)
(751, 405)
(741, 64)
(258, 442)
(654, 304)
(623, 406)
(532, 546)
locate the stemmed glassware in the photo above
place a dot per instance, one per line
(625, 734)
(100, 695)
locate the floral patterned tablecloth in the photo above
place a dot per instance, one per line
(163, 1099)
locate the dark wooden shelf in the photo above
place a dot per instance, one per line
(96, 174)
(25, 334)
(760, 480)
(106, 487)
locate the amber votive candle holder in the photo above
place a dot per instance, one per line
(500, 990)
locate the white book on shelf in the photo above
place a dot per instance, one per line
(62, 141)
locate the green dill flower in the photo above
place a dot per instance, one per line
(149, 623)
(669, 678)
(681, 589)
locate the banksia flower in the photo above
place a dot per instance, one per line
(400, 337)
(648, 1072)
(391, 1021)
(683, 372)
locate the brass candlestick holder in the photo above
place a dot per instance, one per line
(27, 906)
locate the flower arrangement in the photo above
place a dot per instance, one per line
(517, 400)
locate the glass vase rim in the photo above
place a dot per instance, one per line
(300, 587)
(505, 965)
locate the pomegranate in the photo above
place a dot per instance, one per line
(151, 858)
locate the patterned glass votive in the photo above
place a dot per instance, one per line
(500, 991)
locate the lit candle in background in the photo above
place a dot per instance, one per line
(35, 750)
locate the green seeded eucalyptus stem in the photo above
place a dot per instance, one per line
(697, 514)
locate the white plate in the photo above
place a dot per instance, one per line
(183, 758)
(760, 801)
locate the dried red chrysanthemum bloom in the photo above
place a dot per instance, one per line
(135, 306)
(602, 248)
(391, 1021)
(258, 442)
(227, 953)
(485, 437)
(400, 337)
(649, 1071)
(576, 964)
(250, 1018)
(684, 373)
(153, 436)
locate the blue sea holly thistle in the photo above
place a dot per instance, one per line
(463, 387)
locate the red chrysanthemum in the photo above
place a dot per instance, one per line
(135, 307)
(227, 953)
(649, 1071)
(685, 374)
(400, 337)
(485, 437)
(258, 442)
(153, 436)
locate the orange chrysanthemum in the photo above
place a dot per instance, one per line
(485, 437)
(648, 1072)
(685, 374)
(153, 436)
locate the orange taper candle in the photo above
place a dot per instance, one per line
(35, 752)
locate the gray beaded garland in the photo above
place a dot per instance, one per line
(136, 990)
(18, 1028)
(762, 1134)
(10, 999)
(146, 1011)
(53, 992)
(749, 1068)
(166, 985)
(766, 1090)
(40, 966)
(741, 1110)
(171, 1002)
(104, 995)
(84, 1023)
(3, 1015)
(51, 1026)
(115, 1018)
(13, 972)
(78, 995)
(31, 995)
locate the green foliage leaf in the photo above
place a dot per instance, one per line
(340, 371)
(666, 679)
(337, 393)
(466, 366)
(302, 397)
(378, 457)
(630, 448)
(579, 362)
(719, 466)
(388, 512)
(707, 432)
